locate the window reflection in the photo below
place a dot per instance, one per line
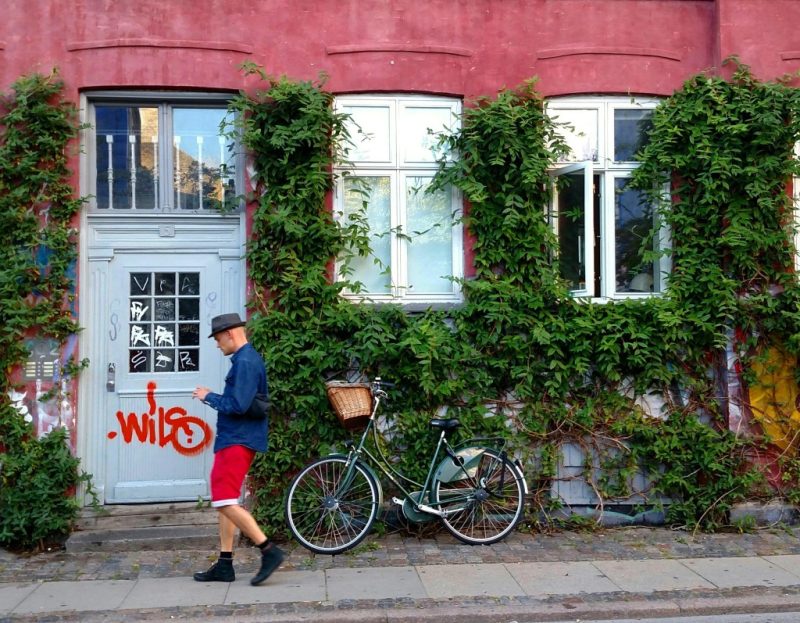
(633, 223)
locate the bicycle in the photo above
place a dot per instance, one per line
(476, 491)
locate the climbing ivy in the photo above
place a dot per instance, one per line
(37, 254)
(520, 357)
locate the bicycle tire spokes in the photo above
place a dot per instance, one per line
(327, 520)
(491, 510)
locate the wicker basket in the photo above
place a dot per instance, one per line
(352, 402)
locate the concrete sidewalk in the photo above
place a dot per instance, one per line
(621, 573)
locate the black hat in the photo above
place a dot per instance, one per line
(223, 322)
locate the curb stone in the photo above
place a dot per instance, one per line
(589, 607)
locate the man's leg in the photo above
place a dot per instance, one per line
(235, 516)
(271, 556)
(225, 482)
(222, 570)
(227, 532)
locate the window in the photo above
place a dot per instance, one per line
(599, 220)
(150, 154)
(415, 236)
(164, 322)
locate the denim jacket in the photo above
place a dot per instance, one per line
(247, 376)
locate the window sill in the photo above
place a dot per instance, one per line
(409, 305)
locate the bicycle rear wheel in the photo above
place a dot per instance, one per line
(485, 513)
(325, 514)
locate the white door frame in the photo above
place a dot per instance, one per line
(160, 234)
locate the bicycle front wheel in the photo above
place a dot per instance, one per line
(483, 509)
(326, 514)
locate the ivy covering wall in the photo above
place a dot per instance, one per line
(38, 247)
(521, 358)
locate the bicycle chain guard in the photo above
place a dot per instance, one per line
(413, 515)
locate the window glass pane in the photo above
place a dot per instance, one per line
(430, 229)
(571, 220)
(203, 160)
(369, 131)
(164, 284)
(633, 221)
(630, 132)
(420, 128)
(582, 135)
(370, 198)
(164, 360)
(126, 148)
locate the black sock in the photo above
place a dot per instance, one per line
(265, 545)
(226, 555)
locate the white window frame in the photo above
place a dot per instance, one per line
(399, 168)
(587, 248)
(607, 171)
(165, 103)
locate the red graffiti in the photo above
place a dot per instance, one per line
(189, 435)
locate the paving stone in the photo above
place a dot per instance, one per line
(741, 571)
(643, 576)
(106, 595)
(468, 579)
(374, 583)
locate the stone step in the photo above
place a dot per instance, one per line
(145, 539)
(121, 516)
(177, 525)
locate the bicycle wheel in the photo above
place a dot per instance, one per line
(486, 513)
(323, 516)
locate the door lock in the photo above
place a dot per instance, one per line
(111, 378)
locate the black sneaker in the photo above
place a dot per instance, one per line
(271, 559)
(220, 571)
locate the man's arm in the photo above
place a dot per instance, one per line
(237, 396)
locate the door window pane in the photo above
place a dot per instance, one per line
(126, 162)
(630, 132)
(430, 231)
(370, 198)
(633, 222)
(203, 159)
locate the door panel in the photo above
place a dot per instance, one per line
(159, 439)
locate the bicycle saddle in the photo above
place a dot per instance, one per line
(445, 424)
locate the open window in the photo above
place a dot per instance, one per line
(572, 216)
(604, 226)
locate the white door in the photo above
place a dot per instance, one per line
(159, 440)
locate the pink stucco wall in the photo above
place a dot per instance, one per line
(458, 47)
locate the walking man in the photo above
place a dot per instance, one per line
(239, 437)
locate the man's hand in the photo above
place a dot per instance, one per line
(200, 392)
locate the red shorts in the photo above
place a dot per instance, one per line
(227, 474)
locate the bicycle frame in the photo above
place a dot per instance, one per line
(356, 453)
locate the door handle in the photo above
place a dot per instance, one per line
(111, 378)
